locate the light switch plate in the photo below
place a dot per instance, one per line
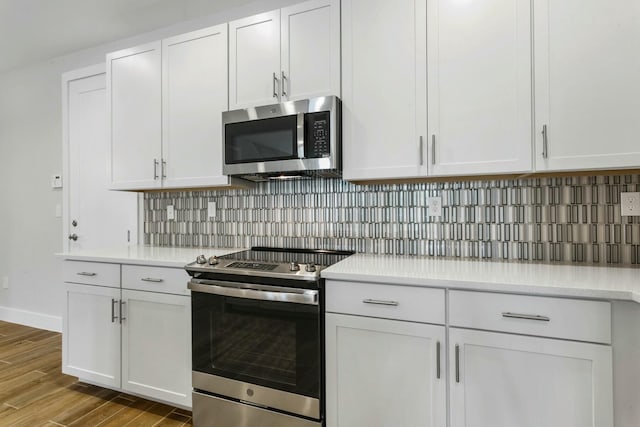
(211, 210)
(56, 181)
(630, 204)
(435, 206)
(171, 215)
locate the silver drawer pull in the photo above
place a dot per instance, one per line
(151, 279)
(526, 316)
(85, 273)
(380, 302)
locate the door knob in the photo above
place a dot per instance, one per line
(73, 237)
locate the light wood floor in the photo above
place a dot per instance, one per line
(34, 392)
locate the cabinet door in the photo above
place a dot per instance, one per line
(156, 346)
(510, 380)
(194, 81)
(384, 373)
(384, 89)
(479, 86)
(310, 50)
(586, 77)
(254, 60)
(91, 337)
(133, 93)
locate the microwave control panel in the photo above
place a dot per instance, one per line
(317, 141)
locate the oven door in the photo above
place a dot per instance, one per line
(257, 344)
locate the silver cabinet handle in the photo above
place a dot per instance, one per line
(122, 304)
(282, 79)
(113, 310)
(526, 316)
(421, 150)
(155, 169)
(545, 142)
(438, 360)
(275, 81)
(73, 237)
(86, 273)
(380, 302)
(151, 279)
(433, 149)
(457, 363)
(163, 169)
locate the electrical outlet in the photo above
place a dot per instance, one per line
(630, 204)
(211, 210)
(171, 215)
(5, 282)
(435, 206)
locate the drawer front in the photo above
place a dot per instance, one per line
(92, 273)
(410, 303)
(155, 279)
(573, 319)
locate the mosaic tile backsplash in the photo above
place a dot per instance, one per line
(569, 219)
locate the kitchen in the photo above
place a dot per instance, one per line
(516, 215)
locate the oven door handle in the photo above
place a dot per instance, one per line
(305, 296)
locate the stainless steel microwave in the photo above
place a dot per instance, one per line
(280, 141)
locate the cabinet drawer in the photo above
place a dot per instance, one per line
(155, 279)
(92, 273)
(386, 301)
(573, 319)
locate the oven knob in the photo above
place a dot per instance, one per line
(201, 259)
(294, 266)
(213, 260)
(310, 268)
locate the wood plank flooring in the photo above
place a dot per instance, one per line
(34, 392)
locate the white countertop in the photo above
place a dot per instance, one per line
(145, 255)
(604, 282)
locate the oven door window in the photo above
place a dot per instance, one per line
(272, 344)
(261, 140)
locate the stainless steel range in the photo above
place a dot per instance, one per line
(258, 337)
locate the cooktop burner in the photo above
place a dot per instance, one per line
(290, 263)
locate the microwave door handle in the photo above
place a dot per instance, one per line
(300, 135)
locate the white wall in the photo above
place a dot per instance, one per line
(30, 152)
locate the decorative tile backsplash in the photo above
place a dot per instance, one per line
(568, 219)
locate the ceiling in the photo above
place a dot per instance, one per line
(37, 30)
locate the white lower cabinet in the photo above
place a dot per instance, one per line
(510, 360)
(91, 336)
(384, 373)
(156, 346)
(135, 340)
(504, 380)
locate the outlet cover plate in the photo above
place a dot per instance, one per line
(435, 206)
(171, 215)
(630, 204)
(211, 210)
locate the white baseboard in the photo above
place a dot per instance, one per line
(31, 318)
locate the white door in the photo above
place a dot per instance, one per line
(195, 93)
(134, 105)
(383, 373)
(254, 60)
(384, 89)
(91, 338)
(587, 70)
(479, 86)
(310, 50)
(156, 346)
(505, 380)
(96, 217)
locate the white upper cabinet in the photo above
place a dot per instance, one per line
(310, 36)
(194, 95)
(285, 54)
(479, 84)
(384, 93)
(587, 73)
(254, 60)
(134, 98)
